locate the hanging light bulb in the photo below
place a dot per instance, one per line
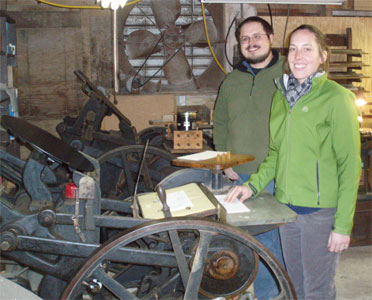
(105, 3)
(114, 4)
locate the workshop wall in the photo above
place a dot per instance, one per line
(53, 42)
(132, 106)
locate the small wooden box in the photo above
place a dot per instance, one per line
(191, 139)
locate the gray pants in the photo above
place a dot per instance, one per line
(311, 267)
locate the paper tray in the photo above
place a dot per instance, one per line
(202, 202)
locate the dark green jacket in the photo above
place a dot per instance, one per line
(241, 116)
(315, 151)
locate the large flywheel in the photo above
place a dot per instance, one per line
(178, 258)
(120, 168)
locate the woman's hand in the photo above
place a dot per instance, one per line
(338, 242)
(240, 192)
(231, 174)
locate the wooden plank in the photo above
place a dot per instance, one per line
(45, 74)
(47, 100)
(100, 51)
(354, 52)
(362, 5)
(72, 53)
(353, 64)
(295, 10)
(217, 163)
(334, 40)
(46, 19)
(17, 5)
(47, 63)
(346, 75)
(139, 109)
(22, 56)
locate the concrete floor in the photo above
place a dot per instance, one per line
(354, 274)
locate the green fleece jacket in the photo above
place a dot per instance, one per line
(314, 151)
(242, 110)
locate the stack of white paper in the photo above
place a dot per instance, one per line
(178, 201)
(232, 207)
(201, 155)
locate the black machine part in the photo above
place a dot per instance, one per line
(167, 259)
(85, 133)
(47, 143)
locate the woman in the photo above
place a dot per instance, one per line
(315, 160)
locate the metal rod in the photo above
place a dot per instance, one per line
(116, 83)
(135, 202)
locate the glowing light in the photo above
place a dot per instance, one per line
(360, 102)
(360, 119)
(114, 4)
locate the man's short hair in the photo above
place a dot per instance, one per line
(266, 26)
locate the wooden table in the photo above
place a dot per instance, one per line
(215, 165)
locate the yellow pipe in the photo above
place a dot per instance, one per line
(209, 43)
(81, 7)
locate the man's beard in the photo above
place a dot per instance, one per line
(258, 59)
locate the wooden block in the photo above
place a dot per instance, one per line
(362, 5)
(192, 139)
(10, 77)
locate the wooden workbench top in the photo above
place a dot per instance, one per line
(216, 163)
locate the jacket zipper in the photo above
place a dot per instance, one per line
(317, 181)
(287, 162)
(252, 86)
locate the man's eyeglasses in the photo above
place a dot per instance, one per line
(255, 38)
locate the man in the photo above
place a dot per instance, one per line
(241, 121)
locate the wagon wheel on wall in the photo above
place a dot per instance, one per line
(120, 166)
(213, 260)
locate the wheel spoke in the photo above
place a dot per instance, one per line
(198, 266)
(128, 174)
(146, 176)
(180, 256)
(112, 285)
(158, 290)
